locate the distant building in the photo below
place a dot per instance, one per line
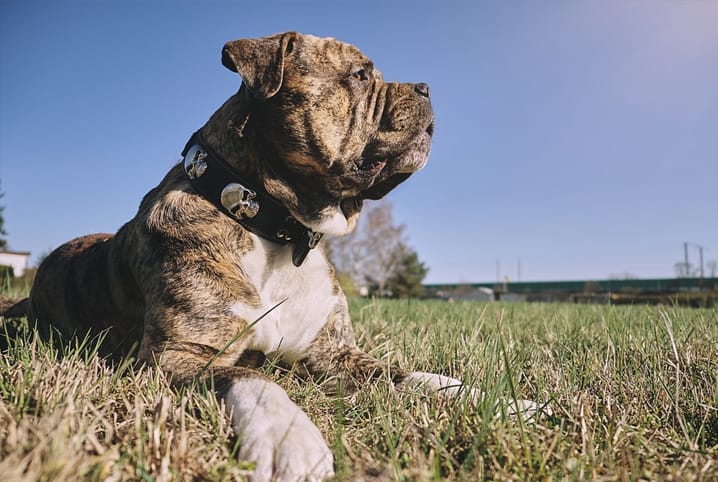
(17, 260)
(466, 293)
(681, 291)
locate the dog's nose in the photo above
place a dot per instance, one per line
(422, 89)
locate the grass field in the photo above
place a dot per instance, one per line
(633, 391)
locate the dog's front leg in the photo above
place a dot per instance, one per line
(334, 352)
(274, 433)
(353, 367)
(454, 388)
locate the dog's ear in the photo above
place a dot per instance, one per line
(260, 61)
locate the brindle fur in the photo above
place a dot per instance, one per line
(173, 282)
(300, 124)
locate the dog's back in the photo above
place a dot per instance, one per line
(59, 301)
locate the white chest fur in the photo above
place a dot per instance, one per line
(301, 297)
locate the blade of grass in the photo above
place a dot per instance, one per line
(234, 339)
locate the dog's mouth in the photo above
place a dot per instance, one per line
(378, 164)
(371, 167)
(366, 171)
(379, 170)
(387, 173)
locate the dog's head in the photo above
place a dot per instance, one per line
(333, 133)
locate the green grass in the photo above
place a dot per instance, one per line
(633, 391)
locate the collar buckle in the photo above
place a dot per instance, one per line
(314, 238)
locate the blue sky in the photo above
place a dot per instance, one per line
(579, 137)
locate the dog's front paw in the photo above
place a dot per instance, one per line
(440, 384)
(526, 409)
(276, 435)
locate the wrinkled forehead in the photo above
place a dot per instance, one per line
(329, 52)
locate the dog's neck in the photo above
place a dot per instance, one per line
(232, 135)
(224, 133)
(244, 199)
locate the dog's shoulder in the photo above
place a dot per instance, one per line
(173, 207)
(178, 235)
(176, 217)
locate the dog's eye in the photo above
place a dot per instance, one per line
(360, 74)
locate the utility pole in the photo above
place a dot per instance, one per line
(700, 256)
(686, 266)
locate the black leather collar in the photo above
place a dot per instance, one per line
(250, 206)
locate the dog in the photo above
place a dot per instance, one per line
(219, 267)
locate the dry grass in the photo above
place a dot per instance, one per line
(634, 394)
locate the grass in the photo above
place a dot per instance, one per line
(633, 390)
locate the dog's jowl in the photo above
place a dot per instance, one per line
(232, 235)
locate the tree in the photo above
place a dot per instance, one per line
(683, 269)
(3, 241)
(406, 281)
(382, 247)
(343, 252)
(370, 255)
(712, 267)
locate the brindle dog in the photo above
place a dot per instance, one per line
(315, 130)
